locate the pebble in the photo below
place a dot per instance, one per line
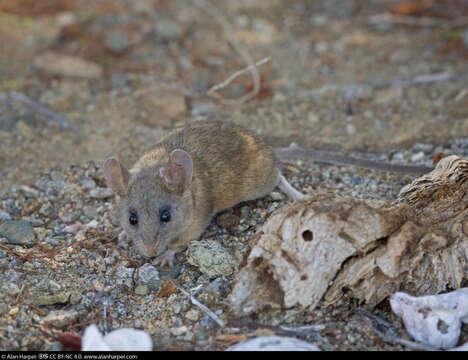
(117, 41)
(141, 290)
(211, 258)
(192, 315)
(219, 285)
(61, 318)
(148, 276)
(101, 193)
(276, 196)
(178, 331)
(4, 216)
(18, 232)
(417, 157)
(167, 30)
(124, 277)
(49, 299)
(65, 65)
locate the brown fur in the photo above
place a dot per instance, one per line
(230, 165)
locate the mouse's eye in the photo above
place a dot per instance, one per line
(165, 216)
(133, 219)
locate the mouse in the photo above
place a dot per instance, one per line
(195, 171)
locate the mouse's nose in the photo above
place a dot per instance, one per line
(147, 246)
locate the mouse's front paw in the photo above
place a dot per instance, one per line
(166, 258)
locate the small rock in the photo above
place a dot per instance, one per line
(192, 315)
(53, 286)
(417, 157)
(93, 224)
(49, 299)
(148, 275)
(61, 318)
(52, 346)
(124, 277)
(101, 193)
(64, 65)
(4, 216)
(211, 258)
(276, 196)
(141, 290)
(426, 148)
(168, 30)
(18, 232)
(219, 285)
(178, 331)
(117, 41)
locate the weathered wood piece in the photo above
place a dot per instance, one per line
(316, 249)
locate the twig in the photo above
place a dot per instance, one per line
(424, 79)
(375, 318)
(390, 334)
(38, 309)
(305, 328)
(207, 311)
(410, 344)
(418, 21)
(59, 119)
(236, 75)
(228, 31)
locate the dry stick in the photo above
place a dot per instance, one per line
(426, 79)
(228, 31)
(59, 119)
(207, 311)
(375, 320)
(410, 344)
(235, 75)
(418, 21)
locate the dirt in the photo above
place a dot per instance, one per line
(121, 73)
(335, 79)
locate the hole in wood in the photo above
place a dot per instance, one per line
(307, 235)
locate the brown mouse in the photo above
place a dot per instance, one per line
(171, 194)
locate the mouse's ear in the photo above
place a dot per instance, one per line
(177, 174)
(117, 176)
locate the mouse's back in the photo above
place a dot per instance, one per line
(230, 164)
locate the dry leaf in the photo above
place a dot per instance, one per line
(168, 289)
(70, 341)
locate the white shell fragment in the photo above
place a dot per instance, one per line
(273, 343)
(118, 340)
(434, 319)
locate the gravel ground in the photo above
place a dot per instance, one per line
(64, 268)
(121, 73)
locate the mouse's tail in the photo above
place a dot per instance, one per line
(294, 152)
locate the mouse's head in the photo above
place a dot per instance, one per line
(154, 204)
